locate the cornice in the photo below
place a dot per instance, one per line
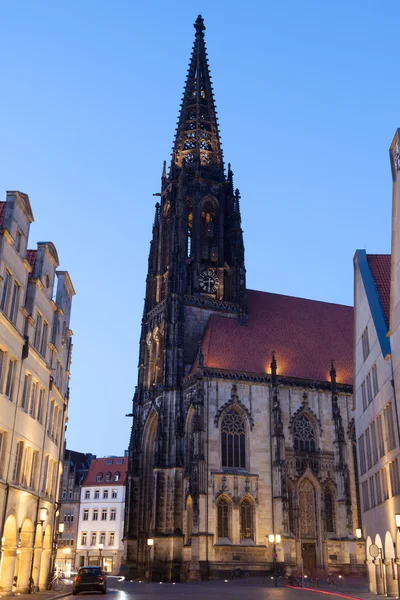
(261, 378)
(27, 265)
(211, 302)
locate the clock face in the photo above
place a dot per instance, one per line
(208, 281)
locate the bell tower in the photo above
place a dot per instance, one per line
(196, 268)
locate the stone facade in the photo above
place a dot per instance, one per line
(35, 353)
(232, 442)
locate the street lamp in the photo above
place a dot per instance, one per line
(359, 533)
(275, 538)
(101, 546)
(397, 517)
(42, 515)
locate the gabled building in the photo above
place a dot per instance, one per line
(377, 381)
(101, 516)
(75, 468)
(35, 355)
(243, 428)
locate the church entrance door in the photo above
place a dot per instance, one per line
(309, 556)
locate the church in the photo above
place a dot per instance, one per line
(242, 451)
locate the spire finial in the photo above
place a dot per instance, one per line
(164, 171)
(199, 25)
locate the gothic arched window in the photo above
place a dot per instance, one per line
(246, 521)
(223, 518)
(304, 435)
(307, 509)
(233, 440)
(329, 502)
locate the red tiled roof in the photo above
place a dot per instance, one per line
(2, 208)
(380, 269)
(305, 335)
(99, 465)
(31, 258)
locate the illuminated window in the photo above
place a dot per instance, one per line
(246, 521)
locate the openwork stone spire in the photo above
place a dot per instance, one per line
(197, 139)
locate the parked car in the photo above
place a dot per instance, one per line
(90, 579)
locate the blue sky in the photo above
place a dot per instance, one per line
(308, 100)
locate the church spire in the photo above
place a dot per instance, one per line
(197, 141)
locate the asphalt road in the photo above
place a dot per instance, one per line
(247, 590)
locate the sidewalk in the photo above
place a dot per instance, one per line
(47, 595)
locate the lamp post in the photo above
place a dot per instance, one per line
(275, 538)
(359, 533)
(150, 544)
(101, 546)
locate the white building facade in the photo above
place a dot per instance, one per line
(377, 381)
(35, 351)
(101, 515)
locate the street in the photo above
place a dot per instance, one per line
(213, 590)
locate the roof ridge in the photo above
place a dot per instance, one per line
(300, 298)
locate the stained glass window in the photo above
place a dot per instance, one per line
(223, 519)
(233, 440)
(246, 521)
(304, 435)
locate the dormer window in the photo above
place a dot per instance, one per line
(99, 477)
(108, 477)
(117, 476)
